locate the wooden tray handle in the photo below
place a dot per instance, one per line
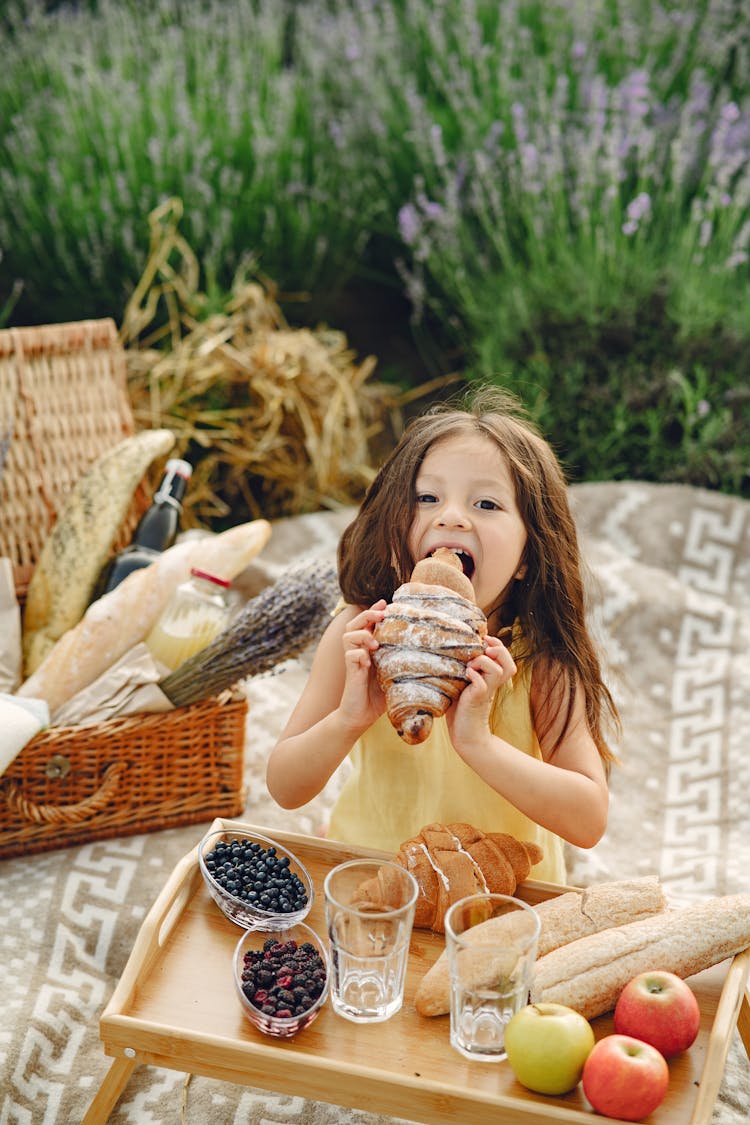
(67, 814)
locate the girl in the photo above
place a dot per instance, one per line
(522, 749)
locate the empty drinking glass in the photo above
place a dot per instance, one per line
(369, 913)
(491, 942)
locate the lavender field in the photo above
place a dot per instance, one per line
(554, 195)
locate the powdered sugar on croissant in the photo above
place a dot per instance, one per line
(431, 630)
(451, 861)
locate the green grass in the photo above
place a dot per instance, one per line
(106, 115)
(561, 190)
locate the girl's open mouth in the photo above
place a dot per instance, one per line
(467, 562)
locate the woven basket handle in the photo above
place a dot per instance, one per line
(67, 814)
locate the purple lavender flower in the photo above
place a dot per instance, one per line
(432, 210)
(519, 122)
(352, 50)
(635, 94)
(639, 207)
(730, 113)
(409, 224)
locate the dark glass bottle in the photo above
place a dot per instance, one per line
(156, 530)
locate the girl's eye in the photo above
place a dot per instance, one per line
(426, 498)
(488, 505)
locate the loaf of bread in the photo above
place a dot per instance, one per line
(431, 629)
(80, 540)
(116, 622)
(564, 919)
(451, 861)
(589, 974)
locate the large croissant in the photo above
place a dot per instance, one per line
(430, 631)
(451, 861)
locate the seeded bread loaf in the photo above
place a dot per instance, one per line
(116, 622)
(565, 918)
(79, 543)
(589, 974)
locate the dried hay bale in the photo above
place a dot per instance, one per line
(276, 420)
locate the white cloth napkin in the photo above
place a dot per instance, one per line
(20, 720)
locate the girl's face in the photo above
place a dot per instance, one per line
(465, 499)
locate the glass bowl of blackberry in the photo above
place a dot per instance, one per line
(256, 882)
(281, 978)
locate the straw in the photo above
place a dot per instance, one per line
(277, 420)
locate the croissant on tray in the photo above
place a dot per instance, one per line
(431, 630)
(451, 861)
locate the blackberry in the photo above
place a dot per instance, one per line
(283, 978)
(257, 876)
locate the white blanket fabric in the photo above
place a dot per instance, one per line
(670, 601)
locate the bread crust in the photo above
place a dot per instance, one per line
(123, 617)
(80, 541)
(589, 973)
(564, 919)
(452, 861)
(431, 629)
(443, 568)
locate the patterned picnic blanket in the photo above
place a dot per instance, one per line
(670, 602)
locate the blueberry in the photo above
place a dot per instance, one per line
(245, 870)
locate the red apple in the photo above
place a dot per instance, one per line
(625, 1078)
(661, 1009)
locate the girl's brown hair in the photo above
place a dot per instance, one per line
(549, 602)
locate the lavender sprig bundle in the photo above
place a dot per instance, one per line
(277, 624)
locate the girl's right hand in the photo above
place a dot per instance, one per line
(362, 701)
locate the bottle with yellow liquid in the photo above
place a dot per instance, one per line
(196, 613)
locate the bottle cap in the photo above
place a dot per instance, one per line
(174, 481)
(180, 467)
(196, 573)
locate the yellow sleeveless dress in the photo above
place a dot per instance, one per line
(395, 789)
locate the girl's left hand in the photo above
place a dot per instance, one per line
(469, 717)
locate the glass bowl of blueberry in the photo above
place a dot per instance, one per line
(281, 978)
(256, 882)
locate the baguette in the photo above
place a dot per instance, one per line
(80, 540)
(589, 974)
(564, 919)
(120, 619)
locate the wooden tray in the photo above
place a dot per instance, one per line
(175, 1006)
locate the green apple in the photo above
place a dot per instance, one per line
(547, 1045)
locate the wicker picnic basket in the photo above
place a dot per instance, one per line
(63, 403)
